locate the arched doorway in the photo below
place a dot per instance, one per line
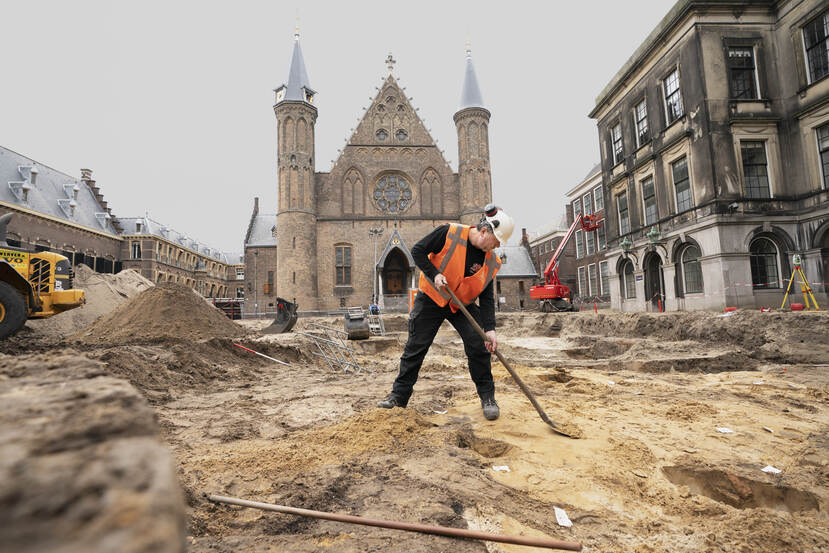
(654, 281)
(395, 273)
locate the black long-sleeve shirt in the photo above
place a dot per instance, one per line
(433, 243)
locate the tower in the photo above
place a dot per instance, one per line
(472, 123)
(296, 219)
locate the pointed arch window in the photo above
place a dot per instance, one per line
(401, 135)
(382, 135)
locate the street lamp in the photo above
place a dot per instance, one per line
(375, 233)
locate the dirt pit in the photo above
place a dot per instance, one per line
(671, 456)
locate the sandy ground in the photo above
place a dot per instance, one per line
(651, 474)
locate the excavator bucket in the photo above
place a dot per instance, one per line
(285, 318)
(356, 324)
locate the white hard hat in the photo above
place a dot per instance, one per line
(502, 224)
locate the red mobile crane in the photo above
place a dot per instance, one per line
(553, 295)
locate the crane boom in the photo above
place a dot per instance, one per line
(588, 223)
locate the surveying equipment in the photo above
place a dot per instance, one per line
(805, 287)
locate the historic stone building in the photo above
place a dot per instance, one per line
(715, 156)
(60, 213)
(260, 263)
(513, 281)
(592, 269)
(342, 233)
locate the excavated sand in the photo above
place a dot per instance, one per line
(166, 312)
(104, 292)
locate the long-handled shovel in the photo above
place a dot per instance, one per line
(569, 430)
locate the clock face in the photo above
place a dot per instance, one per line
(280, 94)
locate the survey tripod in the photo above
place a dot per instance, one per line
(805, 287)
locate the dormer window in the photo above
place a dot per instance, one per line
(309, 95)
(280, 94)
(382, 135)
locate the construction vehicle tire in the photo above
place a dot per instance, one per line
(13, 312)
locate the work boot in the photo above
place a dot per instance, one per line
(392, 400)
(491, 410)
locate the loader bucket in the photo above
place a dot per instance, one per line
(285, 318)
(356, 324)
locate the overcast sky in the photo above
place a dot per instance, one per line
(171, 103)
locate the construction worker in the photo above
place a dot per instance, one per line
(461, 258)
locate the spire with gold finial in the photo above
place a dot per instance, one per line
(471, 94)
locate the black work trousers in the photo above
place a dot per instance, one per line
(424, 322)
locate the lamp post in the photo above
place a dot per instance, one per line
(374, 233)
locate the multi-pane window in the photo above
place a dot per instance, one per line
(755, 168)
(579, 245)
(691, 270)
(590, 239)
(343, 265)
(816, 42)
(604, 275)
(624, 217)
(628, 280)
(616, 142)
(592, 279)
(598, 196)
(682, 184)
(640, 116)
(823, 148)
(582, 282)
(136, 250)
(649, 201)
(587, 203)
(742, 76)
(601, 237)
(673, 97)
(576, 209)
(764, 263)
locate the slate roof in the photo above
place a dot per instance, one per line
(297, 76)
(471, 94)
(261, 230)
(150, 227)
(52, 192)
(518, 263)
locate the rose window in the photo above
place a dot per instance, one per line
(392, 194)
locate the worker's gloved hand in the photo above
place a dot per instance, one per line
(492, 341)
(440, 280)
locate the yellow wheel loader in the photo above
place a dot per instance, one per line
(32, 284)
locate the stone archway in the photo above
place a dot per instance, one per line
(654, 280)
(396, 274)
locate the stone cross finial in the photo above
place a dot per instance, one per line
(390, 61)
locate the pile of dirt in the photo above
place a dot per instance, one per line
(83, 468)
(164, 313)
(104, 292)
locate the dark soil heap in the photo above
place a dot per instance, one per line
(167, 312)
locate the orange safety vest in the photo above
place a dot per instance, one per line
(451, 262)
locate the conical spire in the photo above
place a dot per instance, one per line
(297, 76)
(471, 95)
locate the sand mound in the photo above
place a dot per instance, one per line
(167, 312)
(104, 292)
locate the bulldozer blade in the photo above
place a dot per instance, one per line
(285, 318)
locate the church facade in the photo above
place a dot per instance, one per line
(345, 234)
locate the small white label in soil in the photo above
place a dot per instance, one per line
(561, 518)
(771, 470)
(441, 412)
(767, 429)
(500, 468)
(724, 430)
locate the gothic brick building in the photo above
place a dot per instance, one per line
(341, 234)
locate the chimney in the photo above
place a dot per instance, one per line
(525, 239)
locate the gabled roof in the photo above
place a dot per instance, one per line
(51, 192)
(471, 95)
(261, 230)
(391, 111)
(518, 263)
(149, 227)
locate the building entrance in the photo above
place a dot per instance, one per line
(396, 274)
(654, 281)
